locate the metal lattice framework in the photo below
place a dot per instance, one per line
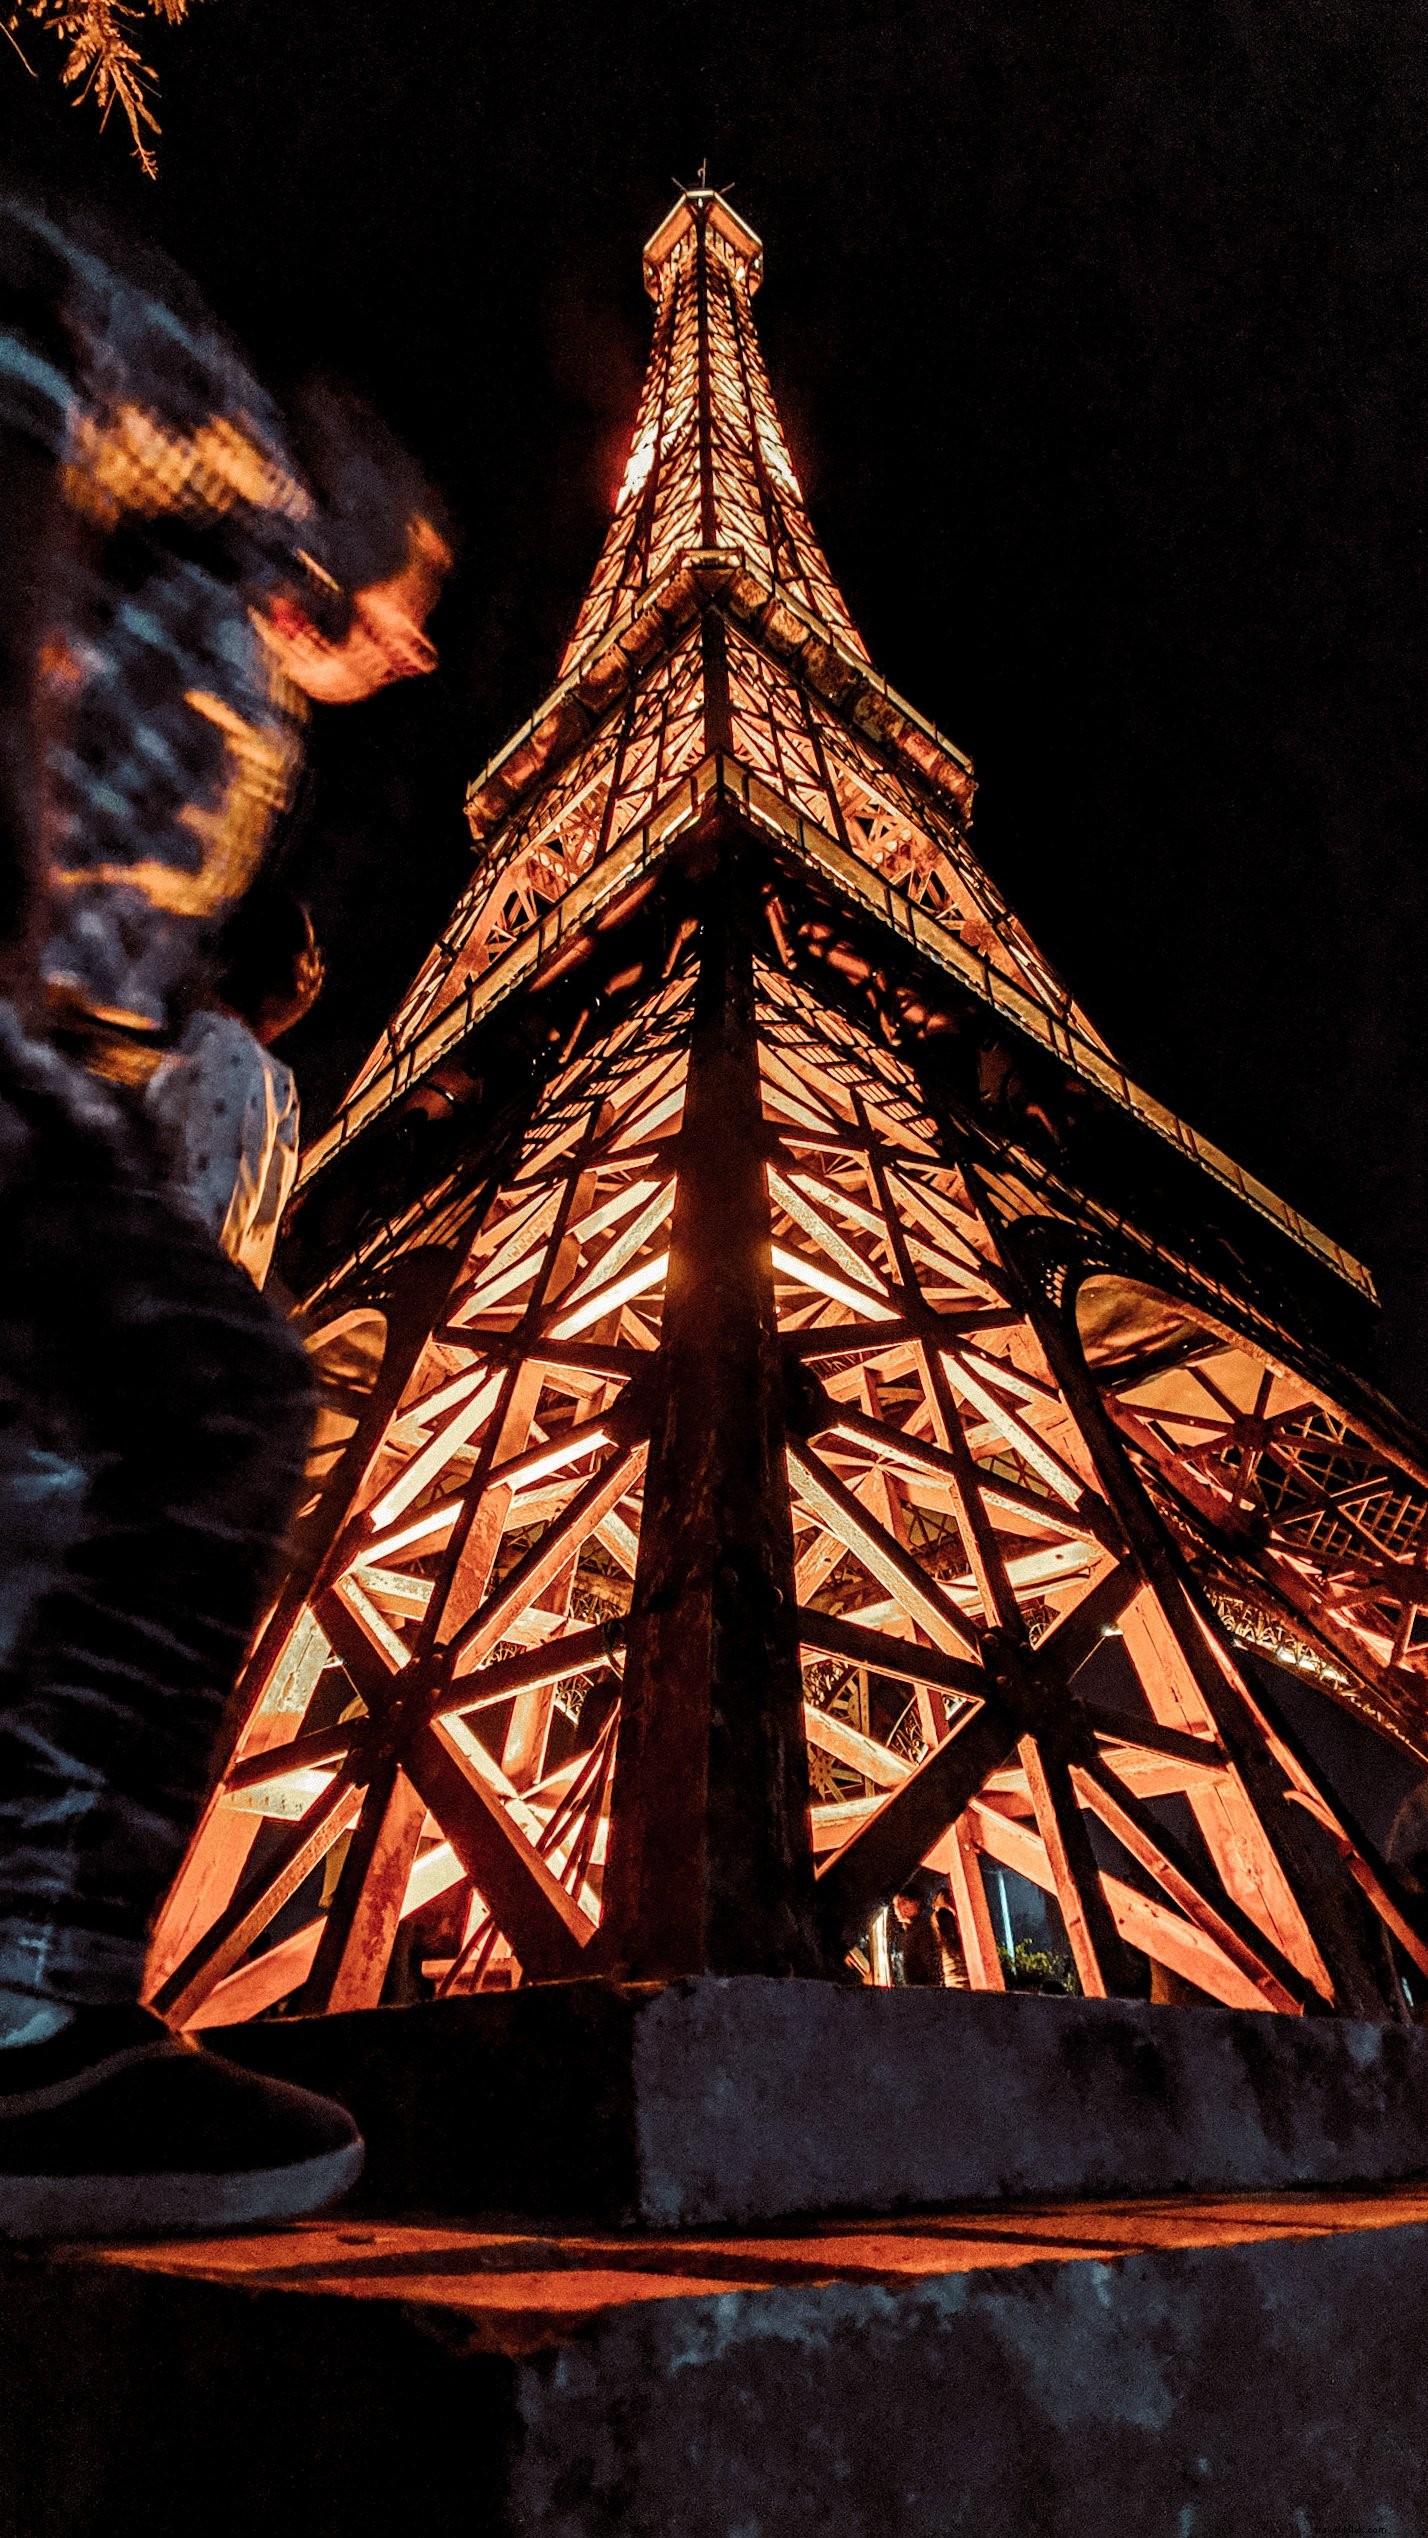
(795, 1413)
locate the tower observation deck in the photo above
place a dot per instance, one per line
(798, 1418)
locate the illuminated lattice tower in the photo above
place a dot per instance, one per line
(797, 1414)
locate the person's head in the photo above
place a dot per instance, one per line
(270, 970)
(375, 558)
(907, 1909)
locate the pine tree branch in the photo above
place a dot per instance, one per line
(100, 60)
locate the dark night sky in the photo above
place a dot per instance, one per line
(1100, 336)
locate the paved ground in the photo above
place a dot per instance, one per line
(524, 2277)
(1207, 2366)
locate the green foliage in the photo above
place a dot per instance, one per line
(100, 59)
(1033, 1969)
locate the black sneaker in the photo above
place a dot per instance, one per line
(117, 2127)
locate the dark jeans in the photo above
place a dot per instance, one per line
(154, 1415)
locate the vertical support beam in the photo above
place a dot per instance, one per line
(356, 1944)
(974, 1919)
(1095, 1941)
(523, 1756)
(711, 1860)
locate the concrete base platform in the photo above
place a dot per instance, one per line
(718, 2103)
(1231, 2368)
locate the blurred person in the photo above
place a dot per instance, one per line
(926, 1941)
(212, 595)
(916, 1956)
(172, 589)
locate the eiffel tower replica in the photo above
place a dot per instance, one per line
(798, 1418)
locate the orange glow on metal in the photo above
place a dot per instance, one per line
(978, 1467)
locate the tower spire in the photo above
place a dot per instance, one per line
(709, 466)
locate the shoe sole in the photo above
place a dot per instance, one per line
(174, 2205)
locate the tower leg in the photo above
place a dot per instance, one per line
(711, 1863)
